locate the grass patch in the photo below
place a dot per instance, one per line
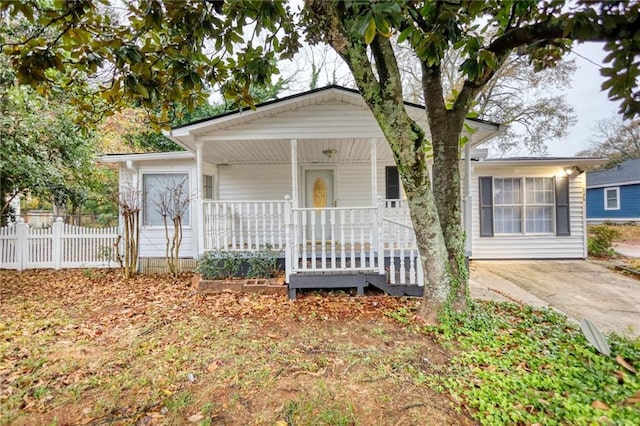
(320, 407)
(525, 366)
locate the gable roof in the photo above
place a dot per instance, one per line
(300, 117)
(626, 172)
(301, 94)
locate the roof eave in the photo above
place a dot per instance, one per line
(148, 156)
(574, 161)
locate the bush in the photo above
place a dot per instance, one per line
(263, 263)
(219, 265)
(600, 239)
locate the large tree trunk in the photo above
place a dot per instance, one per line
(433, 253)
(446, 126)
(446, 189)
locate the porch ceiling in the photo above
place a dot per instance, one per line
(278, 151)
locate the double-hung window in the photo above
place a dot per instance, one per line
(539, 205)
(612, 198)
(158, 187)
(523, 205)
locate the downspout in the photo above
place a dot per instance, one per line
(199, 216)
(467, 200)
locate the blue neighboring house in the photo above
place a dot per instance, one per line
(614, 194)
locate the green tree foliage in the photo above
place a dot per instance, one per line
(42, 151)
(155, 54)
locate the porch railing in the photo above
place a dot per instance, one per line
(243, 225)
(400, 243)
(332, 239)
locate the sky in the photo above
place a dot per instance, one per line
(590, 103)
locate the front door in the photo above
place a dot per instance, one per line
(318, 194)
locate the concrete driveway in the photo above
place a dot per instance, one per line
(580, 289)
(628, 248)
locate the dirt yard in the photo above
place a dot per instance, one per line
(629, 233)
(85, 347)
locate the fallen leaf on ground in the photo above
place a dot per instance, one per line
(195, 418)
(625, 364)
(599, 405)
(633, 399)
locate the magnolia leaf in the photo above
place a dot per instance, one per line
(625, 364)
(599, 405)
(404, 34)
(370, 32)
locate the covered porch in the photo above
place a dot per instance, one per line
(332, 227)
(329, 241)
(311, 176)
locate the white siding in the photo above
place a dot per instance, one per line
(354, 185)
(328, 120)
(273, 182)
(254, 182)
(153, 243)
(530, 246)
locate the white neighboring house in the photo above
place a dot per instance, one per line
(311, 175)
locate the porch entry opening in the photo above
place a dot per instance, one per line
(319, 194)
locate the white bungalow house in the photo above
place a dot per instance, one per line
(312, 176)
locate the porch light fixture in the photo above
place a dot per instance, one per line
(572, 170)
(329, 153)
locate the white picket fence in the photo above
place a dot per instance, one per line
(60, 246)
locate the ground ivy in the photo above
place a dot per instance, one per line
(515, 364)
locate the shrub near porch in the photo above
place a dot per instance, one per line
(250, 271)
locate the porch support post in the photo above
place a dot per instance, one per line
(199, 217)
(134, 185)
(294, 173)
(288, 249)
(131, 166)
(380, 234)
(374, 171)
(467, 198)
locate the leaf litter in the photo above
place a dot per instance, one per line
(87, 347)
